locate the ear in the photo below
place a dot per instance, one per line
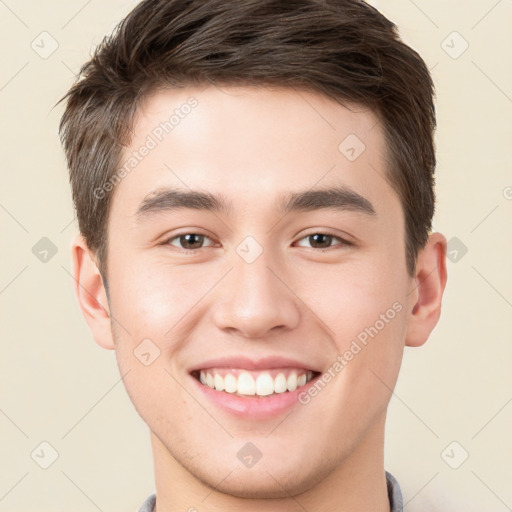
(90, 292)
(430, 282)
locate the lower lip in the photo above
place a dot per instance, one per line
(252, 407)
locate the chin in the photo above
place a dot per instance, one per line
(278, 479)
(264, 483)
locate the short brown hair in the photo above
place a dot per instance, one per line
(344, 49)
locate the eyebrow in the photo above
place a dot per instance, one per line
(165, 200)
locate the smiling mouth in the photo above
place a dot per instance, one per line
(258, 384)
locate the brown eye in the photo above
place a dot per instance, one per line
(324, 240)
(188, 241)
(320, 240)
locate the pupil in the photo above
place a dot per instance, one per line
(190, 243)
(327, 238)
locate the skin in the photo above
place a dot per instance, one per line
(295, 300)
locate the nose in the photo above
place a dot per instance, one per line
(256, 301)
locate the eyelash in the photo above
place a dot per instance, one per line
(342, 243)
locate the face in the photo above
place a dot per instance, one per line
(283, 288)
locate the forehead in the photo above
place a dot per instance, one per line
(253, 145)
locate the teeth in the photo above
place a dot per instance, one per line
(264, 384)
(230, 384)
(291, 383)
(246, 384)
(280, 383)
(219, 382)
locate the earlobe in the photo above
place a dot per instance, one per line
(90, 292)
(430, 284)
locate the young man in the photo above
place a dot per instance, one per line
(254, 190)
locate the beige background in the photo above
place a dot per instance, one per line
(58, 386)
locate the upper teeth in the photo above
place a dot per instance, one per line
(255, 383)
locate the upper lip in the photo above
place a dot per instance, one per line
(245, 363)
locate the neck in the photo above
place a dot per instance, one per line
(357, 484)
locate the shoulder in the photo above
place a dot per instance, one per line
(149, 504)
(395, 494)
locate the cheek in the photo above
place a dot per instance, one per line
(157, 300)
(155, 306)
(350, 299)
(364, 310)
(153, 390)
